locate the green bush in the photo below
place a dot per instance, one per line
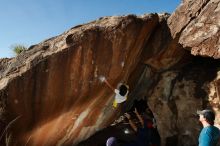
(17, 49)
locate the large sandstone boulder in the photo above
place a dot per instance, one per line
(51, 94)
(197, 25)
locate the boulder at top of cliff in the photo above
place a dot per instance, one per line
(196, 24)
(52, 90)
(51, 94)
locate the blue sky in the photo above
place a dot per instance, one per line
(29, 22)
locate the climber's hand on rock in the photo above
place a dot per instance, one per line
(102, 79)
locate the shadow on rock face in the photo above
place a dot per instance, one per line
(122, 132)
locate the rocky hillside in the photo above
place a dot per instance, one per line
(51, 94)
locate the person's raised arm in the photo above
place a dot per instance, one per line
(139, 117)
(109, 85)
(103, 79)
(133, 126)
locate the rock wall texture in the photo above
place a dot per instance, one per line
(178, 93)
(197, 26)
(51, 94)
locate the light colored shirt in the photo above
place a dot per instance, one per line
(119, 98)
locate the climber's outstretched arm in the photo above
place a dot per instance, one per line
(109, 85)
(103, 79)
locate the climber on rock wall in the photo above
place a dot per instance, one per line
(121, 92)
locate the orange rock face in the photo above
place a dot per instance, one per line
(51, 94)
(54, 95)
